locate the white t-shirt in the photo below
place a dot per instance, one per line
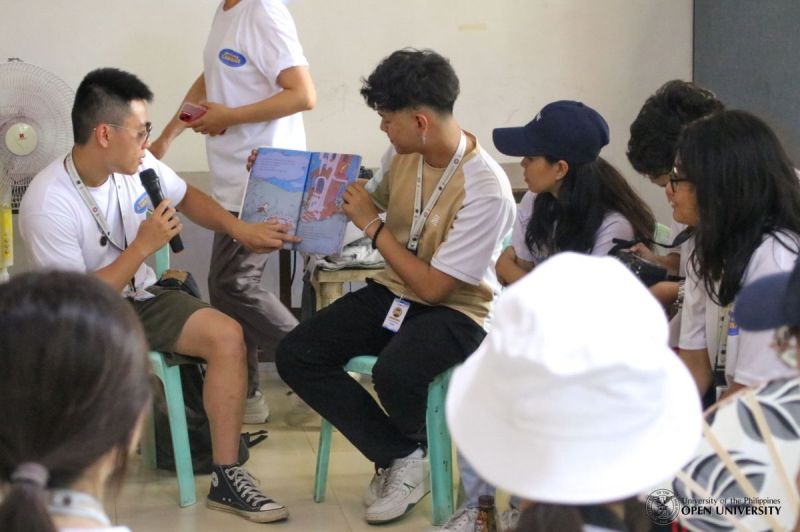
(750, 360)
(685, 250)
(464, 233)
(614, 225)
(60, 232)
(248, 47)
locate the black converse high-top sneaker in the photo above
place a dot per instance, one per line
(234, 490)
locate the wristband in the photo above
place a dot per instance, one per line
(375, 236)
(376, 219)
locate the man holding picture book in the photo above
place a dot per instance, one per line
(448, 207)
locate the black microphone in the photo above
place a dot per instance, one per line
(152, 185)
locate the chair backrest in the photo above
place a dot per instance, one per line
(662, 233)
(162, 260)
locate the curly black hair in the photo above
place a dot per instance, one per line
(411, 78)
(655, 132)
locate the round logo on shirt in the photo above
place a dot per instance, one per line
(140, 205)
(232, 58)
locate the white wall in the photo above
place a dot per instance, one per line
(513, 56)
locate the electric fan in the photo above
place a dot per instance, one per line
(35, 128)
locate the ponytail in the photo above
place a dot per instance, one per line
(24, 507)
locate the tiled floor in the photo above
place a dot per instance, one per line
(284, 463)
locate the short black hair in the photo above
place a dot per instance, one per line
(105, 95)
(655, 132)
(411, 78)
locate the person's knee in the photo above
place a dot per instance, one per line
(227, 338)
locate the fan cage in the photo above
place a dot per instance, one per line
(31, 95)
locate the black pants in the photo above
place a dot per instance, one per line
(431, 340)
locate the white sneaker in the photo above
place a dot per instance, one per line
(461, 521)
(256, 410)
(407, 481)
(375, 487)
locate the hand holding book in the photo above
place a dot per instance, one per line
(358, 206)
(263, 237)
(302, 191)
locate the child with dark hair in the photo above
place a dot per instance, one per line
(448, 205)
(73, 395)
(734, 183)
(577, 201)
(651, 152)
(576, 391)
(658, 126)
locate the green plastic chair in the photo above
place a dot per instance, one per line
(170, 378)
(662, 233)
(440, 452)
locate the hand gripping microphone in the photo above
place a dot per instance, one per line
(152, 185)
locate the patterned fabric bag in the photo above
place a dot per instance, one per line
(744, 475)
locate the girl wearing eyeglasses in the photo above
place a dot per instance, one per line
(734, 182)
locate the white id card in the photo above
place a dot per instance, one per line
(396, 315)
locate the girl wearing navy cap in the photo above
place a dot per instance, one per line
(577, 200)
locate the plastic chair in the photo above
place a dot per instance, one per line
(440, 452)
(170, 378)
(662, 233)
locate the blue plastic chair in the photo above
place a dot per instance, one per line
(440, 454)
(170, 378)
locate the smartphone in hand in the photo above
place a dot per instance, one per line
(190, 112)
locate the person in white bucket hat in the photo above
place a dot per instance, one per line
(574, 397)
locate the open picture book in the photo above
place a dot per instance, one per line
(302, 190)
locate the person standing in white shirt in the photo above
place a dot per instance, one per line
(254, 85)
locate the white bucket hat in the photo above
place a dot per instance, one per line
(574, 396)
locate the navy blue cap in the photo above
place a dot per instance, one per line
(770, 302)
(565, 130)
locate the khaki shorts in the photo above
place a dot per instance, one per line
(164, 316)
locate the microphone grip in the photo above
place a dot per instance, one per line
(176, 244)
(152, 186)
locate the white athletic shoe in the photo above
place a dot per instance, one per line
(407, 481)
(375, 487)
(256, 410)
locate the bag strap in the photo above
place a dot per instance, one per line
(679, 239)
(251, 439)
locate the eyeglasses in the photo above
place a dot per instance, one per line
(674, 179)
(141, 136)
(784, 342)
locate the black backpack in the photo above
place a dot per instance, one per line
(192, 376)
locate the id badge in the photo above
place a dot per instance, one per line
(396, 315)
